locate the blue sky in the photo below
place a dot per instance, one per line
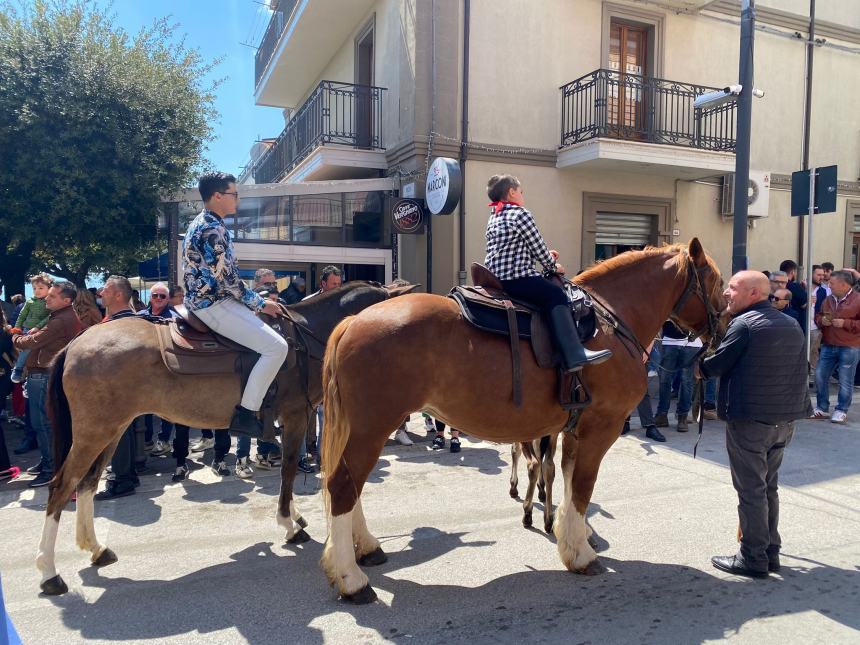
(217, 28)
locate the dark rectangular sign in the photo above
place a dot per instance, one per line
(825, 191)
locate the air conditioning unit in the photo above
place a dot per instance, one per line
(758, 193)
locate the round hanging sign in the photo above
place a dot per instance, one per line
(444, 186)
(407, 216)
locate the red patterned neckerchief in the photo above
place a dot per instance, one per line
(499, 206)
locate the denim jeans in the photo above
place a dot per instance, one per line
(830, 357)
(674, 357)
(37, 389)
(243, 446)
(711, 391)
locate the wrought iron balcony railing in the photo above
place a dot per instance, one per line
(618, 105)
(277, 23)
(339, 113)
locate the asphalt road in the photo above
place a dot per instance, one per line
(204, 561)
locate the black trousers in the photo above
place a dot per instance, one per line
(537, 290)
(122, 475)
(755, 455)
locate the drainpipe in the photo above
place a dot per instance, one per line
(464, 137)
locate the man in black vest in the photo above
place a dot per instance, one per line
(762, 368)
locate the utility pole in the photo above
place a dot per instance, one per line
(742, 149)
(807, 119)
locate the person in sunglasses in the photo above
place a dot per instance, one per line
(159, 302)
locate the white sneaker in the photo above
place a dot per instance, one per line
(429, 426)
(160, 448)
(838, 417)
(243, 468)
(818, 413)
(202, 444)
(401, 437)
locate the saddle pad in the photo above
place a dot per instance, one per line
(192, 352)
(489, 317)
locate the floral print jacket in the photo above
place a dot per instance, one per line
(211, 272)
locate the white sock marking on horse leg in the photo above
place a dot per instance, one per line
(288, 522)
(338, 559)
(85, 524)
(45, 557)
(364, 540)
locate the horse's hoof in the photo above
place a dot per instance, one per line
(541, 495)
(373, 559)
(593, 568)
(299, 538)
(106, 557)
(513, 492)
(527, 521)
(363, 596)
(54, 586)
(302, 522)
(547, 526)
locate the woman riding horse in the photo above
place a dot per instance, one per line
(514, 244)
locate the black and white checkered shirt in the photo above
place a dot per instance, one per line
(514, 244)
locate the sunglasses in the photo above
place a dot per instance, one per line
(159, 296)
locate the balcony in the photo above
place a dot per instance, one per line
(336, 131)
(300, 41)
(633, 123)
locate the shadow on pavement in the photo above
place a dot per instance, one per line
(269, 597)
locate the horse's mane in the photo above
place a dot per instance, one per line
(600, 269)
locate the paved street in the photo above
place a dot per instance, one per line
(204, 561)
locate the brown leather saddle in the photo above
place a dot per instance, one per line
(486, 306)
(189, 347)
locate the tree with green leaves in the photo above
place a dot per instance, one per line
(96, 126)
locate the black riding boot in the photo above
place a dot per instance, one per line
(245, 421)
(573, 354)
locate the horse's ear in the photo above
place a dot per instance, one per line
(697, 252)
(394, 289)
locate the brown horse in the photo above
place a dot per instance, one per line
(113, 373)
(418, 353)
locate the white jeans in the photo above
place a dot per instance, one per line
(234, 320)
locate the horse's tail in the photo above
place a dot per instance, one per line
(336, 424)
(58, 411)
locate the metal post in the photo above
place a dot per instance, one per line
(807, 115)
(172, 245)
(809, 308)
(742, 152)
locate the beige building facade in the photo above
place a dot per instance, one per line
(588, 102)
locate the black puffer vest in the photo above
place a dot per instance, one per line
(769, 382)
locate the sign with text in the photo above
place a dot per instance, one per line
(444, 186)
(407, 216)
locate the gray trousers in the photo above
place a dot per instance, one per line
(755, 455)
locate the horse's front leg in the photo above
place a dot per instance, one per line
(580, 463)
(292, 439)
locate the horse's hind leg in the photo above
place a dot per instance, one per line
(344, 484)
(86, 532)
(63, 485)
(516, 451)
(533, 462)
(368, 553)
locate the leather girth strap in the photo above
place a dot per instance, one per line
(514, 335)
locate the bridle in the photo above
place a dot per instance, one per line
(696, 287)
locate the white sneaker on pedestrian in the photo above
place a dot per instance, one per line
(402, 438)
(243, 468)
(838, 417)
(160, 448)
(202, 444)
(818, 413)
(429, 426)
